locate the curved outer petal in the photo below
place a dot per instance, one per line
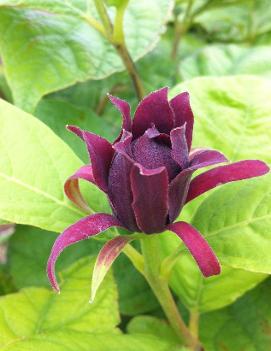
(198, 246)
(153, 109)
(71, 186)
(179, 146)
(205, 157)
(83, 229)
(109, 252)
(150, 198)
(178, 189)
(183, 114)
(180, 185)
(101, 154)
(6, 229)
(119, 190)
(225, 174)
(124, 109)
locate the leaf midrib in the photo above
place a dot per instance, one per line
(40, 192)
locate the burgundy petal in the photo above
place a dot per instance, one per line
(105, 259)
(153, 109)
(200, 158)
(225, 174)
(178, 189)
(101, 154)
(83, 229)
(119, 186)
(151, 152)
(150, 198)
(124, 109)
(183, 114)
(179, 146)
(6, 230)
(71, 186)
(198, 246)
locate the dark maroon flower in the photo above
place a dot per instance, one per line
(146, 174)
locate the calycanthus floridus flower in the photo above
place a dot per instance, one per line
(146, 174)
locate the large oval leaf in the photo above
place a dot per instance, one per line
(222, 60)
(54, 41)
(243, 326)
(236, 221)
(233, 115)
(39, 319)
(34, 164)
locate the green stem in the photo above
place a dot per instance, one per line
(180, 28)
(116, 37)
(194, 323)
(159, 285)
(131, 68)
(118, 34)
(169, 262)
(99, 4)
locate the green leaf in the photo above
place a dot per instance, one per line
(57, 113)
(243, 326)
(34, 164)
(234, 20)
(201, 294)
(30, 247)
(242, 106)
(47, 312)
(222, 60)
(154, 326)
(232, 114)
(56, 45)
(67, 321)
(236, 222)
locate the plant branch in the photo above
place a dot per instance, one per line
(115, 35)
(169, 262)
(159, 285)
(180, 28)
(194, 323)
(131, 68)
(99, 4)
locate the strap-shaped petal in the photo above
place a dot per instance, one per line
(124, 109)
(200, 158)
(150, 198)
(179, 146)
(83, 229)
(153, 109)
(71, 186)
(178, 189)
(183, 114)
(225, 174)
(198, 246)
(6, 230)
(109, 252)
(119, 190)
(101, 154)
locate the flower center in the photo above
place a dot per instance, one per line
(153, 154)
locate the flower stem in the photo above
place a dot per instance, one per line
(180, 29)
(194, 323)
(131, 68)
(115, 35)
(159, 285)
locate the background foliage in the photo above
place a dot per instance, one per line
(57, 66)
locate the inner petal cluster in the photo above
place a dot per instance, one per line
(153, 153)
